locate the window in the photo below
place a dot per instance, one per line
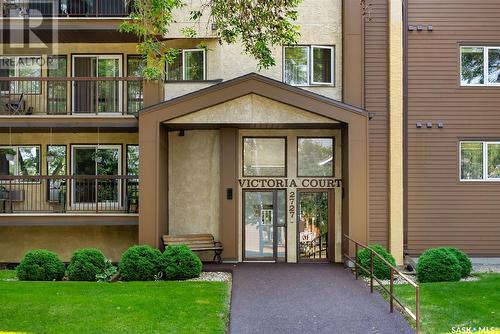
(56, 160)
(56, 166)
(20, 160)
(57, 90)
(479, 161)
(305, 65)
(187, 65)
(135, 93)
(264, 156)
(479, 66)
(132, 159)
(21, 67)
(315, 157)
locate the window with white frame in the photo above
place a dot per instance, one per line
(189, 64)
(20, 160)
(308, 65)
(479, 161)
(479, 66)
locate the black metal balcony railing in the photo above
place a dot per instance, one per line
(70, 96)
(66, 8)
(69, 194)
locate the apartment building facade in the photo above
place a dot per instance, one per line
(278, 163)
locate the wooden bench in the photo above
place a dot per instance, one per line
(196, 242)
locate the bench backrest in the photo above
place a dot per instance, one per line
(190, 240)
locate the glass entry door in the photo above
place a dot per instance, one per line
(264, 225)
(314, 226)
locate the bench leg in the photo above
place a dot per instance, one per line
(217, 256)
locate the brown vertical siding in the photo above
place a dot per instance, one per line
(441, 210)
(376, 100)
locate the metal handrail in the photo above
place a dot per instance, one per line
(415, 316)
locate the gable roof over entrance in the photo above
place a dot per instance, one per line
(253, 84)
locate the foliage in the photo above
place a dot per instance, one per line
(181, 263)
(85, 264)
(125, 308)
(447, 304)
(463, 260)
(140, 263)
(108, 273)
(438, 265)
(380, 269)
(40, 265)
(258, 25)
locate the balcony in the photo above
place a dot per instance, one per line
(111, 96)
(65, 8)
(69, 195)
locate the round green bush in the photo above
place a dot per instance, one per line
(140, 263)
(438, 265)
(463, 261)
(85, 264)
(41, 265)
(380, 269)
(181, 263)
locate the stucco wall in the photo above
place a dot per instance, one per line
(320, 24)
(194, 182)
(252, 109)
(15, 241)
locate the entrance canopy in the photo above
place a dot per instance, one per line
(248, 102)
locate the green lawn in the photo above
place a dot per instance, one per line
(446, 306)
(133, 307)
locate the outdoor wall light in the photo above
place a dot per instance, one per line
(419, 125)
(430, 27)
(411, 28)
(429, 125)
(440, 125)
(420, 28)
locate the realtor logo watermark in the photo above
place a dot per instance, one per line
(475, 329)
(29, 27)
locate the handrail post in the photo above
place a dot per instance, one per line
(417, 309)
(371, 270)
(391, 286)
(356, 257)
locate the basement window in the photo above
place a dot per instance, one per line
(479, 66)
(479, 161)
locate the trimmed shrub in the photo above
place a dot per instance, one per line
(181, 263)
(85, 264)
(41, 265)
(438, 265)
(140, 263)
(463, 261)
(380, 269)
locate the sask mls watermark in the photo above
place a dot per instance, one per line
(29, 25)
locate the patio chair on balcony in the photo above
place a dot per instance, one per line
(15, 107)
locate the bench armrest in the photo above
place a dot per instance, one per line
(218, 243)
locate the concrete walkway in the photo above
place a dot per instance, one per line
(307, 298)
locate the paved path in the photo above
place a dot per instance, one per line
(307, 298)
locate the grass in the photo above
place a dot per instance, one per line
(132, 307)
(446, 307)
